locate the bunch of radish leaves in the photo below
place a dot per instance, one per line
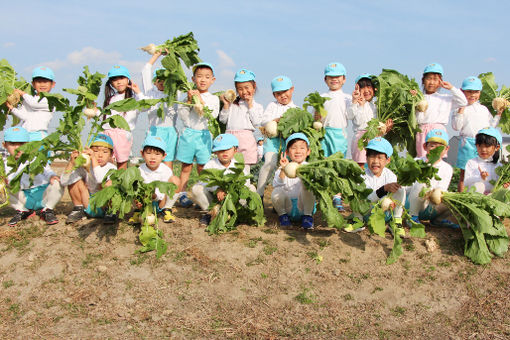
(489, 93)
(316, 101)
(409, 170)
(8, 82)
(127, 187)
(241, 205)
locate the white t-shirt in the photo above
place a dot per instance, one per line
(275, 110)
(472, 172)
(240, 117)
(361, 115)
(293, 186)
(93, 180)
(475, 117)
(192, 119)
(440, 106)
(163, 173)
(35, 115)
(337, 109)
(375, 182)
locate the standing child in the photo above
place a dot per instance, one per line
(480, 171)
(195, 140)
(42, 195)
(83, 183)
(119, 87)
(244, 115)
(35, 114)
(469, 120)
(282, 91)
(440, 105)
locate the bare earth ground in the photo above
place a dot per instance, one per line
(85, 281)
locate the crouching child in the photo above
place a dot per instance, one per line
(42, 195)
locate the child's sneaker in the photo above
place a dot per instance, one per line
(307, 222)
(168, 217)
(337, 202)
(49, 216)
(135, 219)
(205, 220)
(445, 224)
(284, 220)
(184, 201)
(20, 216)
(351, 228)
(76, 215)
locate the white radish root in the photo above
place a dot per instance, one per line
(291, 169)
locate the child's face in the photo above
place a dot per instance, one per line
(471, 96)
(298, 151)
(245, 90)
(431, 82)
(486, 151)
(367, 92)
(42, 84)
(377, 162)
(120, 83)
(203, 78)
(432, 145)
(225, 156)
(11, 148)
(284, 97)
(102, 154)
(153, 158)
(334, 83)
(160, 84)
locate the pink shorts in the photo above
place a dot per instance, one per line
(247, 145)
(122, 142)
(420, 137)
(359, 156)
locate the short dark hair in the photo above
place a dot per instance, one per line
(153, 148)
(292, 142)
(365, 82)
(202, 67)
(482, 138)
(372, 152)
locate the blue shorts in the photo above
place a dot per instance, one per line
(194, 144)
(34, 197)
(169, 135)
(275, 144)
(467, 151)
(334, 141)
(296, 214)
(428, 214)
(97, 213)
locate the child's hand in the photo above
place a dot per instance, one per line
(74, 155)
(135, 88)
(226, 103)
(446, 85)
(20, 92)
(461, 110)
(356, 96)
(283, 160)
(249, 101)
(192, 93)
(413, 92)
(483, 174)
(389, 125)
(316, 116)
(54, 179)
(392, 187)
(220, 195)
(506, 185)
(138, 205)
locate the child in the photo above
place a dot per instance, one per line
(291, 200)
(83, 183)
(469, 120)
(282, 91)
(439, 105)
(381, 179)
(244, 115)
(35, 115)
(163, 128)
(195, 140)
(119, 87)
(419, 207)
(224, 147)
(480, 171)
(43, 195)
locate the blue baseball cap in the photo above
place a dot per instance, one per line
(297, 135)
(16, 134)
(363, 76)
(154, 141)
(203, 64)
(119, 71)
(381, 145)
(244, 75)
(472, 83)
(433, 68)
(335, 69)
(490, 131)
(102, 140)
(155, 73)
(438, 136)
(43, 72)
(281, 83)
(224, 141)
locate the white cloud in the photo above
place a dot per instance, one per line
(490, 60)
(8, 44)
(86, 56)
(225, 61)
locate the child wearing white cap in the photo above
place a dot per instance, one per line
(35, 114)
(243, 116)
(469, 120)
(282, 91)
(440, 105)
(42, 195)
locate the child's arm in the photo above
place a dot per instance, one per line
(34, 103)
(283, 163)
(458, 98)
(458, 119)
(147, 72)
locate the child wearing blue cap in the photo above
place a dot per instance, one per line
(83, 182)
(161, 127)
(291, 200)
(195, 139)
(35, 114)
(480, 171)
(224, 147)
(420, 208)
(243, 116)
(282, 91)
(118, 87)
(42, 195)
(440, 105)
(469, 120)
(381, 179)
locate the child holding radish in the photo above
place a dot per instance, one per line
(243, 115)
(440, 105)
(291, 200)
(35, 114)
(39, 197)
(195, 140)
(469, 120)
(282, 91)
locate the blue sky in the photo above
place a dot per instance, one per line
(294, 38)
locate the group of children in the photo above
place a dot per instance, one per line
(183, 135)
